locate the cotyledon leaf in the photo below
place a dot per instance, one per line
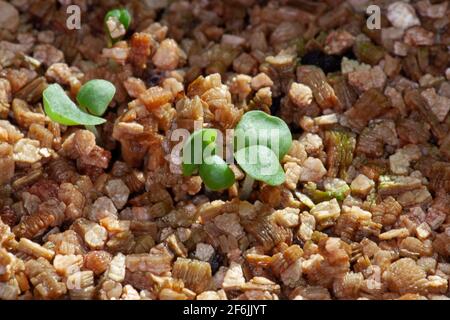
(194, 148)
(216, 174)
(61, 109)
(95, 96)
(259, 128)
(261, 163)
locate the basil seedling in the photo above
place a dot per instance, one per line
(94, 96)
(261, 141)
(117, 22)
(61, 109)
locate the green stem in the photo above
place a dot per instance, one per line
(247, 187)
(92, 129)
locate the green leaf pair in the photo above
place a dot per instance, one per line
(94, 96)
(260, 141)
(199, 154)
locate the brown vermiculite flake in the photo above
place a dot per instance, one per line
(105, 212)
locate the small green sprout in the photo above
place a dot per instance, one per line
(117, 22)
(339, 192)
(94, 95)
(260, 142)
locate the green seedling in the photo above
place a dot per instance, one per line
(93, 97)
(117, 22)
(260, 142)
(61, 109)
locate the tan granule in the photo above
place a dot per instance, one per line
(9, 17)
(288, 217)
(338, 41)
(435, 218)
(102, 207)
(247, 210)
(34, 249)
(404, 276)
(400, 49)
(234, 277)
(196, 275)
(364, 80)
(134, 86)
(7, 163)
(362, 185)
(415, 197)
(80, 280)
(261, 284)
(296, 153)
(326, 120)
(115, 27)
(229, 223)
(240, 86)
(245, 63)
(157, 262)
(349, 65)
(176, 246)
(440, 105)
(204, 251)
(293, 171)
(300, 94)
(402, 15)
(26, 151)
(307, 226)
(47, 54)
(167, 56)
(261, 80)
(435, 11)
(116, 270)
(394, 233)
(97, 261)
(312, 170)
(326, 210)
(110, 290)
(312, 143)
(212, 295)
(418, 36)
(129, 293)
(400, 161)
(155, 97)
(118, 192)
(423, 231)
(93, 234)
